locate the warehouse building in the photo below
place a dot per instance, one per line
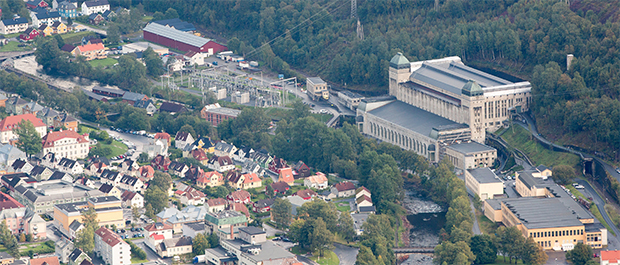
(484, 182)
(180, 40)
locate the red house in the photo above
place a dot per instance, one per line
(36, 4)
(263, 206)
(29, 34)
(277, 164)
(240, 196)
(280, 187)
(180, 40)
(160, 163)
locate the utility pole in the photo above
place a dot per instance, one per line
(353, 8)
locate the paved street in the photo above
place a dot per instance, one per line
(346, 254)
(271, 231)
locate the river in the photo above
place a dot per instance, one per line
(426, 219)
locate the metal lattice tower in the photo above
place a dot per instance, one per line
(353, 8)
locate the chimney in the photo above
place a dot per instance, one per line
(569, 59)
(232, 233)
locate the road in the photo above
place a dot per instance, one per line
(89, 28)
(346, 254)
(476, 226)
(613, 241)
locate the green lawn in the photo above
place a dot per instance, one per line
(329, 257)
(599, 217)
(118, 148)
(147, 18)
(539, 155)
(12, 35)
(103, 62)
(500, 261)
(136, 260)
(487, 226)
(12, 47)
(75, 37)
(39, 248)
(343, 207)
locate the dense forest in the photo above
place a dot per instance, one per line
(529, 39)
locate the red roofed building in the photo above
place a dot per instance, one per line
(242, 196)
(111, 247)
(12, 212)
(91, 51)
(29, 34)
(277, 164)
(160, 162)
(286, 175)
(306, 194)
(52, 260)
(240, 207)
(163, 136)
(9, 123)
(245, 181)
(217, 205)
(161, 229)
(200, 156)
(610, 257)
(280, 187)
(69, 144)
(211, 179)
(193, 197)
(146, 173)
(344, 189)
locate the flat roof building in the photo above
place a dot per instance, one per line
(108, 208)
(484, 183)
(42, 196)
(216, 114)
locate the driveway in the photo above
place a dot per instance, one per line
(346, 254)
(271, 231)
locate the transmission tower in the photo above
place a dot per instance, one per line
(353, 8)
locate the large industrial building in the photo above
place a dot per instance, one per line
(548, 214)
(180, 40)
(440, 103)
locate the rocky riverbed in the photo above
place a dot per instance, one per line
(425, 218)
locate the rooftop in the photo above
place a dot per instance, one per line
(198, 226)
(177, 24)
(471, 147)
(226, 217)
(414, 118)
(252, 230)
(176, 34)
(315, 80)
(542, 212)
(484, 175)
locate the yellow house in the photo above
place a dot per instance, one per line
(109, 212)
(59, 27)
(46, 30)
(484, 182)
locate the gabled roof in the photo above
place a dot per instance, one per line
(307, 193)
(52, 260)
(181, 136)
(194, 172)
(96, 3)
(58, 175)
(68, 163)
(240, 195)
(612, 256)
(233, 176)
(50, 139)
(200, 155)
(106, 188)
(344, 186)
(177, 24)
(158, 227)
(221, 160)
(75, 254)
(217, 202)
(280, 186)
(318, 178)
(131, 96)
(15, 21)
(251, 178)
(171, 107)
(178, 35)
(47, 15)
(363, 198)
(10, 122)
(286, 175)
(162, 135)
(264, 203)
(109, 237)
(176, 166)
(75, 225)
(92, 47)
(66, 5)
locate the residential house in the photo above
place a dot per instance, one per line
(217, 204)
(301, 170)
(194, 58)
(129, 166)
(183, 139)
(318, 181)
(160, 162)
(65, 120)
(306, 194)
(277, 164)
(15, 104)
(67, 9)
(243, 154)
(193, 229)
(36, 4)
(13, 180)
(66, 144)
(46, 30)
(234, 179)
(8, 155)
(95, 19)
(146, 173)
(203, 143)
(250, 166)
(15, 25)
(280, 187)
(50, 160)
(242, 196)
(70, 166)
(3, 98)
(609, 257)
(172, 108)
(29, 34)
(192, 196)
(108, 14)
(50, 260)
(177, 168)
(74, 228)
(286, 175)
(47, 115)
(93, 7)
(90, 51)
(11, 122)
(362, 191)
(211, 179)
(111, 177)
(221, 163)
(132, 199)
(11, 212)
(21, 166)
(160, 229)
(164, 137)
(131, 183)
(85, 181)
(193, 173)
(172, 247)
(131, 98)
(343, 189)
(96, 168)
(63, 248)
(146, 105)
(544, 171)
(363, 201)
(77, 257)
(111, 247)
(200, 156)
(245, 181)
(156, 147)
(59, 27)
(44, 17)
(263, 206)
(41, 173)
(69, 48)
(110, 190)
(32, 107)
(224, 149)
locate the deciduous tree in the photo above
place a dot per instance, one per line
(29, 139)
(281, 212)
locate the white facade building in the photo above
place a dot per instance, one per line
(111, 247)
(67, 144)
(97, 6)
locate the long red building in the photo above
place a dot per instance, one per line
(180, 40)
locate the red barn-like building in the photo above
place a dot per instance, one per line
(29, 34)
(180, 40)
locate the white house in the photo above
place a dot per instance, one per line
(15, 25)
(182, 139)
(70, 166)
(67, 144)
(9, 123)
(318, 181)
(111, 247)
(96, 6)
(156, 147)
(44, 18)
(221, 163)
(132, 199)
(131, 183)
(195, 58)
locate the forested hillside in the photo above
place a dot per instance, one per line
(319, 38)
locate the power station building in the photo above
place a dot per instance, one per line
(436, 105)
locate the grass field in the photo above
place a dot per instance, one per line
(599, 217)
(487, 227)
(118, 148)
(343, 206)
(539, 155)
(137, 260)
(500, 261)
(12, 47)
(76, 37)
(103, 62)
(329, 257)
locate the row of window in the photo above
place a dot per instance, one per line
(557, 233)
(397, 138)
